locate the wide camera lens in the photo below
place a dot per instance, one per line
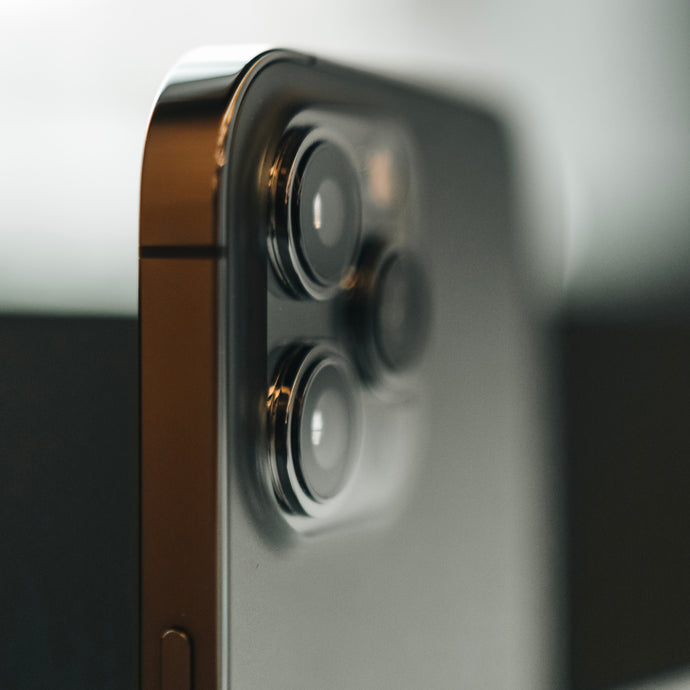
(317, 224)
(315, 426)
(326, 213)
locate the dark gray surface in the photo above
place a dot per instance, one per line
(68, 503)
(627, 450)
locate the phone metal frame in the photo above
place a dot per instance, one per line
(182, 301)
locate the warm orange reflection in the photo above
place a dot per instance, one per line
(381, 182)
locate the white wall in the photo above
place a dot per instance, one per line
(601, 91)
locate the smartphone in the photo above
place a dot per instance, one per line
(342, 457)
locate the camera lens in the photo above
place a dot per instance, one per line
(325, 211)
(388, 313)
(401, 311)
(315, 425)
(317, 216)
(327, 443)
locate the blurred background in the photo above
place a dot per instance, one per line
(597, 96)
(597, 91)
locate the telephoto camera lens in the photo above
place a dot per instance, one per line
(315, 421)
(401, 307)
(389, 312)
(317, 217)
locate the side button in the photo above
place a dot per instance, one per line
(176, 660)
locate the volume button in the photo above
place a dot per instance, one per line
(176, 660)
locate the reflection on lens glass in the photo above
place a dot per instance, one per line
(328, 434)
(317, 211)
(328, 213)
(316, 428)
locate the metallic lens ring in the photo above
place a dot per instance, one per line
(314, 428)
(315, 224)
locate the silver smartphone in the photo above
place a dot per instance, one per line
(342, 467)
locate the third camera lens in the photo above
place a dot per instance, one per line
(401, 311)
(389, 311)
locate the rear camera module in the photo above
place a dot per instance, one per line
(316, 225)
(315, 422)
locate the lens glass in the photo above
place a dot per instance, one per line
(326, 213)
(401, 312)
(328, 432)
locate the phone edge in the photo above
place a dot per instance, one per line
(184, 565)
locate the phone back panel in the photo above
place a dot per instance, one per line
(456, 589)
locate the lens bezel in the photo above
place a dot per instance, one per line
(295, 375)
(288, 245)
